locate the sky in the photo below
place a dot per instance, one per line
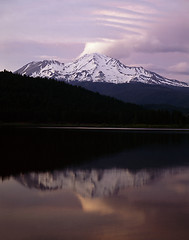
(153, 34)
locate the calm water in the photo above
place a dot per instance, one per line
(94, 184)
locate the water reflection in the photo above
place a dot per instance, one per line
(94, 204)
(93, 183)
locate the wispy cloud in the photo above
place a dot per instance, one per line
(181, 68)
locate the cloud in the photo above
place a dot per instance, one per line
(181, 68)
(167, 32)
(66, 20)
(167, 37)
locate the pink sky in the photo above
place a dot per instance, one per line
(150, 33)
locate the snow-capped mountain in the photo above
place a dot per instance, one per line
(95, 68)
(46, 68)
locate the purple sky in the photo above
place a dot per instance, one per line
(150, 33)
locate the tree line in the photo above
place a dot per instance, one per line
(41, 100)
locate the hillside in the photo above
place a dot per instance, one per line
(40, 100)
(143, 94)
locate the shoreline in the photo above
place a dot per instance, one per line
(105, 127)
(118, 128)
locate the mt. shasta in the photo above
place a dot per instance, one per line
(95, 68)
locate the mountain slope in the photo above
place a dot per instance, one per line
(96, 68)
(143, 94)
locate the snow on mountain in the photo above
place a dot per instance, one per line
(90, 183)
(95, 68)
(46, 68)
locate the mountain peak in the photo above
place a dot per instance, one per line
(94, 56)
(95, 67)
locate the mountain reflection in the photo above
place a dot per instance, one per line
(92, 183)
(64, 184)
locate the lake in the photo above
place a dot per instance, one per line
(58, 183)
